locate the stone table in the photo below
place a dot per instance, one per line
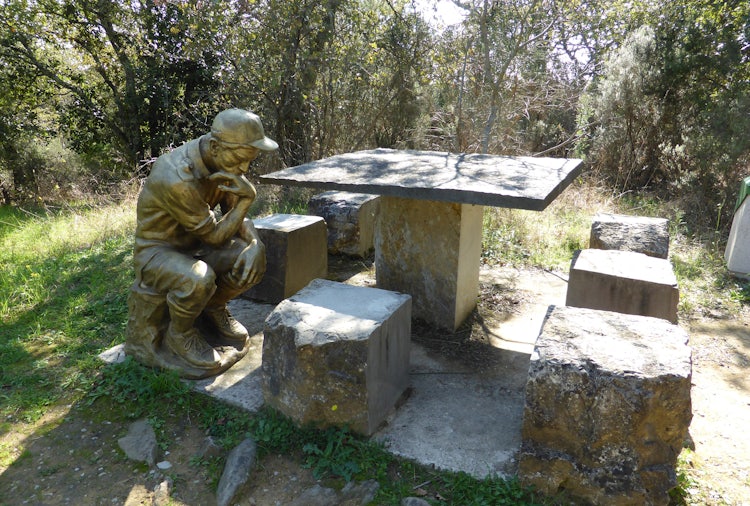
(428, 236)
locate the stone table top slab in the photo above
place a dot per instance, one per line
(490, 180)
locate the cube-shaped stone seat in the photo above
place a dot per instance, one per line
(625, 282)
(337, 354)
(350, 219)
(607, 407)
(296, 254)
(640, 234)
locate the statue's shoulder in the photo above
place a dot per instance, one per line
(177, 165)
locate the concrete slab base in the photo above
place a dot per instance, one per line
(461, 419)
(456, 418)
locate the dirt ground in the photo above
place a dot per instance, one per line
(69, 459)
(721, 408)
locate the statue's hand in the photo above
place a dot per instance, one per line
(236, 184)
(250, 266)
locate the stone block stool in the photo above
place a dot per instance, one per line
(295, 255)
(350, 219)
(640, 234)
(625, 282)
(607, 407)
(337, 354)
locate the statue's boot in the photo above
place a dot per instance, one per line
(231, 331)
(186, 342)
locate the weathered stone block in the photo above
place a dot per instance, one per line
(607, 407)
(624, 282)
(640, 234)
(737, 252)
(430, 250)
(296, 254)
(350, 219)
(337, 354)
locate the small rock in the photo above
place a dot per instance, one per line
(317, 496)
(209, 449)
(236, 471)
(414, 501)
(359, 493)
(162, 492)
(164, 465)
(140, 442)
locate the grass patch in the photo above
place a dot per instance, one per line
(686, 483)
(128, 390)
(62, 301)
(706, 288)
(275, 199)
(545, 239)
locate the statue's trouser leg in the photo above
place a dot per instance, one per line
(227, 288)
(222, 260)
(188, 282)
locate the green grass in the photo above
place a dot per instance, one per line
(62, 301)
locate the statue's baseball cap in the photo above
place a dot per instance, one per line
(238, 127)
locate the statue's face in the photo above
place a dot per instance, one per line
(235, 159)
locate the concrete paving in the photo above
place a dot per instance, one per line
(457, 417)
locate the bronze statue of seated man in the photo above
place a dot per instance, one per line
(195, 250)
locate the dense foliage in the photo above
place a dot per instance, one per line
(653, 96)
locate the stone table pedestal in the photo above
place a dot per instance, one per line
(430, 250)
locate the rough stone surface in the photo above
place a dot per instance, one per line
(639, 234)
(209, 449)
(607, 407)
(520, 182)
(337, 354)
(737, 252)
(430, 250)
(353, 494)
(350, 220)
(236, 471)
(140, 443)
(317, 496)
(360, 493)
(162, 492)
(624, 282)
(414, 501)
(296, 253)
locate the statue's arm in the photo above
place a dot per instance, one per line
(187, 207)
(232, 223)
